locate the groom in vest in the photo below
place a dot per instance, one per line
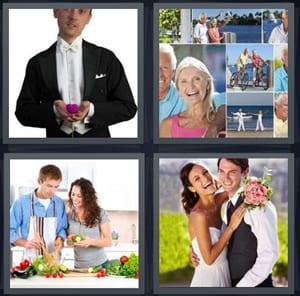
(253, 248)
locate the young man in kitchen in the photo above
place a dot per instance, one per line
(74, 88)
(39, 218)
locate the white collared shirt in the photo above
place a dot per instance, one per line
(200, 31)
(278, 35)
(70, 79)
(263, 223)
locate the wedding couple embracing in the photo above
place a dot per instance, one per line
(234, 244)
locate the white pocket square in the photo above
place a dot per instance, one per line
(100, 76)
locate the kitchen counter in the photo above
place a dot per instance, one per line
(74, 282)
(113, 252)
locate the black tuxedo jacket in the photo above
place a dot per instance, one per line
(110, 92)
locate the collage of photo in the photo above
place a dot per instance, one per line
(223, 73)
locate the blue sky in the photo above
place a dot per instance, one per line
(233, 51)
(251, 99)
(215, 12)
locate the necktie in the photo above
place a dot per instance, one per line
(230, 210)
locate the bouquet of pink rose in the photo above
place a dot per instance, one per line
(257, 191)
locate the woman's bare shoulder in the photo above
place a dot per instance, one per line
(197, 214)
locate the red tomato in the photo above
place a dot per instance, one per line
(54, 275)
(24, 264)
(47, 275)
(124, 259)
(136, 275)
(61, 274)
(103, 272)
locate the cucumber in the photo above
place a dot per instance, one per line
(94, 269)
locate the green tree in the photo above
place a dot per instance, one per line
(169, 19)
(174, 242)
(281, 267)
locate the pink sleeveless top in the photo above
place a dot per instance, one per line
(217, 34)
(181, 132)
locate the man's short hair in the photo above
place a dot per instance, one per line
(279, 97)
(168, 49)
(202, 15)
(285, 14)
(50, 171)
(243, 163)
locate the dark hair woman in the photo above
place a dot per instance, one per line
(202, 203)
(89, 226)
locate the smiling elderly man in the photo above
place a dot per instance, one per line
(74, 72)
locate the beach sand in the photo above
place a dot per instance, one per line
(249, 134)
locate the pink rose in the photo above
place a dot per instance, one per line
(256, 202)
(253, 181)
(264, 200)
(263, 189)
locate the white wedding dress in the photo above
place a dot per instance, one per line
(216, 274)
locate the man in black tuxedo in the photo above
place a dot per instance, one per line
(253, 248)
(73, 72)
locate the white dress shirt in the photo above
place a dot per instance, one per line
(263, 223)
(70, 79)
(200, 31)
(278, 35)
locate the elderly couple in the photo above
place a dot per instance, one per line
(40, 219)
(239, 251)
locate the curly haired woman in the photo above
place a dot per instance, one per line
(89, 223)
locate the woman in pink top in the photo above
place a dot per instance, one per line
(195, 85)
(214, 30)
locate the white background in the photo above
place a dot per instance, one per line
(116, 181)
(34, 30)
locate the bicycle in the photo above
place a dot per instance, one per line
(240, 76)
(261, 78)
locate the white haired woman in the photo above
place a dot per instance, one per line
(214, 30)
(195, 85)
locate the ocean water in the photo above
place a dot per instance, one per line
(245, 33)
(251, 123)
(268, 27)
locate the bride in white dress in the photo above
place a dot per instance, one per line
(202, 205)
